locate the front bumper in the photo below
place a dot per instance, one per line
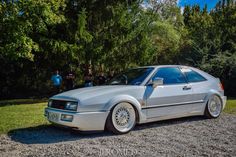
(84, 121)
(224, 99)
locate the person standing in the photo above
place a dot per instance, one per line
(56, 81)
(101, 79)
(70, 77)
(88, 78)
(110, 75)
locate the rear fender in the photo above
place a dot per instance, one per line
(214, 92)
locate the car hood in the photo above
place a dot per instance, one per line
(96, 91)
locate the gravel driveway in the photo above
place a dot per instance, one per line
(193, 136)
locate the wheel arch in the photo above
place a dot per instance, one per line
(206, 110)
(211, 93)
(128, 99)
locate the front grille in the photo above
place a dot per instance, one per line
(59, 104)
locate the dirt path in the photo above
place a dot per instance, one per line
(194, 136)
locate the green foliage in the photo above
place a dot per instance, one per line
(38, 37)
(213, 39)
(82, 22)
(166, 39)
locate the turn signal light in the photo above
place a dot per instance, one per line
(66, 117)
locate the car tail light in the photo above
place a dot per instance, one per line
(221, 86)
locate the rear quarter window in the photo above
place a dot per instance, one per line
(193, 76)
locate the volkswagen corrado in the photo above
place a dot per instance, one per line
(139, 95)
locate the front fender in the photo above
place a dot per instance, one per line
(126, 98)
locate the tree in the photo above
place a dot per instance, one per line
(38, 37)
(213, 38)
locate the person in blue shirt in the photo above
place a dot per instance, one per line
(57, 81)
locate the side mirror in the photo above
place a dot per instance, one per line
(157, 82)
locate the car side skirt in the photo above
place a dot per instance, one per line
(172, 117)
(170, 111)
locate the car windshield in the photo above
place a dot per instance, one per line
(131, 77)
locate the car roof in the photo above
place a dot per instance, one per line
(159, 66)
(206, 75)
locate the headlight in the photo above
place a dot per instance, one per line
(71, 106)
(49, 103)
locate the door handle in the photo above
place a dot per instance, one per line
(186, 88)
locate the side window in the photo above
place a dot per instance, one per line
(171, 75)
(192, 76)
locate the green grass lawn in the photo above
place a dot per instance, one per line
(21, 115)
(230, 106)
(15, 114)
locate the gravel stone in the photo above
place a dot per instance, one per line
(191, 136)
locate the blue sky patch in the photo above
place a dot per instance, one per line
(210, 3)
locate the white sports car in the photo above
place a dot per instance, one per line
(139, 95)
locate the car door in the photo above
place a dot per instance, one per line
(171, 98)
(199, 86)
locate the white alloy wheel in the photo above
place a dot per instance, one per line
(214, 107)
(122, 118)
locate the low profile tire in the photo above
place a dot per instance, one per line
(121, 119)
(214, 107)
